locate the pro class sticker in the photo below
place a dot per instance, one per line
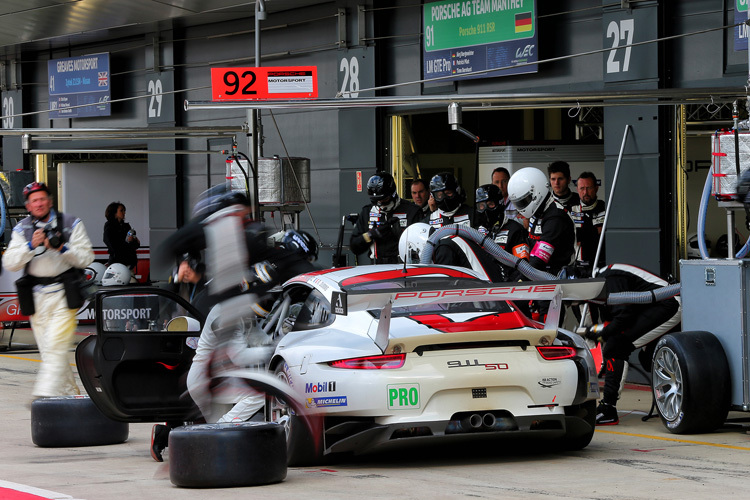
(403, 397)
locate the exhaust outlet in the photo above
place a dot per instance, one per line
(472, 423)
(489, 420)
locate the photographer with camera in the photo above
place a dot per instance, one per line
(52, 249)
(120, 238)
(381, 222)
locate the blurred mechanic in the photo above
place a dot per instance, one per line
(52, 249)
(242, 268)
(559, 179)
(450, 198)
(551, 230)
(629, 327)
(381, 222)
(492, 218)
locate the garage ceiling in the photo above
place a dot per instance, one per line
(56, 23)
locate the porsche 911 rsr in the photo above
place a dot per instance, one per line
(387, 355)
(367, 358)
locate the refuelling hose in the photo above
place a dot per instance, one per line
(523, 266)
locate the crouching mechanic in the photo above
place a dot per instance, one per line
(630, 327)
(52, 249)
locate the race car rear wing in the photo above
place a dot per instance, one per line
(363, 297)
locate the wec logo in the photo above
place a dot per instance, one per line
(528, 51)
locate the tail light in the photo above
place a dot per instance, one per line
(553, 352)
(382, 362)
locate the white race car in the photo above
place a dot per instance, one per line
(384, 355)
(375, 356)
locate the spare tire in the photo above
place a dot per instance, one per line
(227, 454)
(73, 421)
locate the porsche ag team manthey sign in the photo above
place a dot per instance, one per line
(239, 84)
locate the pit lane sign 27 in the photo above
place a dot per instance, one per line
(240, 84)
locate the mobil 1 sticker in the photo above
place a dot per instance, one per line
(403, 396)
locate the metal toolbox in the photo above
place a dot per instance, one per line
(715, 298)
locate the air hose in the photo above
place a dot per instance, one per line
(529, 271)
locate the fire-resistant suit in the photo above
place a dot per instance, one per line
(53, 321)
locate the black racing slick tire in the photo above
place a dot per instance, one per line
(72, 421)
(690, 382)
(227, 455)
(304, 439)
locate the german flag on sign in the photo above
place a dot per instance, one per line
(523, 22)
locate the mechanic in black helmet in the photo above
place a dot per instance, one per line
(450, 198)
(380, 223)
(301, 242)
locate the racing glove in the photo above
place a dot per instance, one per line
(385, 230)
(594, 332)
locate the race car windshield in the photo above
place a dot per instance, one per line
(442, 308)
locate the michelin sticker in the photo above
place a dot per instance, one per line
(403, 397)
(326, 402)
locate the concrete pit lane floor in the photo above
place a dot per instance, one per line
(632, 460)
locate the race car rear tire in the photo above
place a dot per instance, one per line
(690, 382)
(227, 455)
(303, 448)
(580, 424)
(73, 421)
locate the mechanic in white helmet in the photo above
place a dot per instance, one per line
(52, 249)
(551, 230)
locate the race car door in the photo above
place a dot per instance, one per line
(135, 367)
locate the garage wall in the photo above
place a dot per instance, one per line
(340, 143)
(87, 189)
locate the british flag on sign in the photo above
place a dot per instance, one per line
(103, 78)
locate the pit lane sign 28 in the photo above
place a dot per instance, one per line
(239, 84)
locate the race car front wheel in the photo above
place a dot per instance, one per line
(304, 439)
(690, 382)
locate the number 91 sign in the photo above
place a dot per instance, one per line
(239, 84)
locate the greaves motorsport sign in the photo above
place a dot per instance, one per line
(238, 84)
(474, 35)
(79, 86)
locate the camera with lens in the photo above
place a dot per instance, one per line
(54, 236)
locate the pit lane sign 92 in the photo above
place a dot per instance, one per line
(240, 84)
